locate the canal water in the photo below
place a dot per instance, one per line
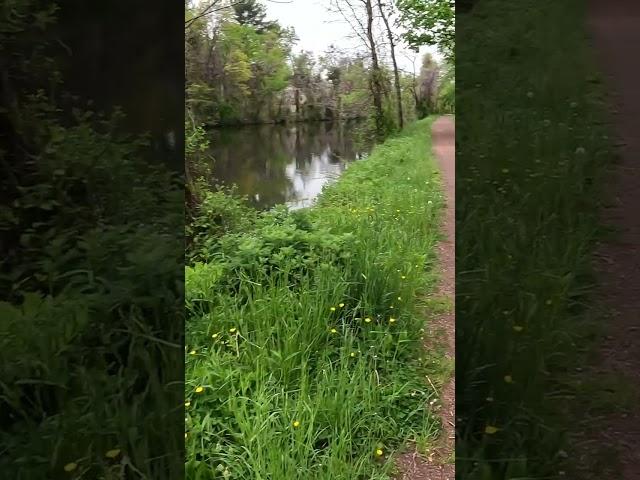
(284, 164)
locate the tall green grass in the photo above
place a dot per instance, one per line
(532, 151)
(304, 332)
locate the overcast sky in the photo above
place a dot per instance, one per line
(317, 29)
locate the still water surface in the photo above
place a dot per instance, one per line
(290, 164)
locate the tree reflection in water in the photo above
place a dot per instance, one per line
(274, 164)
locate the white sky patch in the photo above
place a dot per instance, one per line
(317, 29)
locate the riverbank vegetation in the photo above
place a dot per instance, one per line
(91, 307)
(241, 68)
(530, 168)
(304, 328)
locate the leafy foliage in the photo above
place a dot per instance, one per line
(90, 310)
(429, 22)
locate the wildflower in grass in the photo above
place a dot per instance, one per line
(379, 452)
(490, 429)
(392, 320)
(367, 320)
(518, 328)
(296, 424)
(428, 203)
(199, 389)
(403, 277)
(341, 305)
(187, 404)
(333, 309)
(232, 330)
(70, 467)
(192, 352)
(185, 434)
(215, 335)
(400, 298)
(333, 330)
(508, 379)
(112, 453)
(353, 354)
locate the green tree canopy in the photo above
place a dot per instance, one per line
(429, 22)
(253, 13)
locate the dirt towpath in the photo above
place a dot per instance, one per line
(615, 30)
(438, 466)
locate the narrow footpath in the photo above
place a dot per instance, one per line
(438, 465)
(615, 29)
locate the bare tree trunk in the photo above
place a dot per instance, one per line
(396, 73)
(376, 87)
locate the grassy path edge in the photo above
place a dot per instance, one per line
(440, 324)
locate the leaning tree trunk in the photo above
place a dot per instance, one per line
(396, 73)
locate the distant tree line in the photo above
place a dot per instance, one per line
(241, 69)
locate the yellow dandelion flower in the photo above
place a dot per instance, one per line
(392, 320)
(199, 389)
(508, 378)
(333, 330)
(490, 429)
(70, 467)
(112, 453)
(187, 404)
(379, 452)
(517, 328)
(296, 424)
(367, 320)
